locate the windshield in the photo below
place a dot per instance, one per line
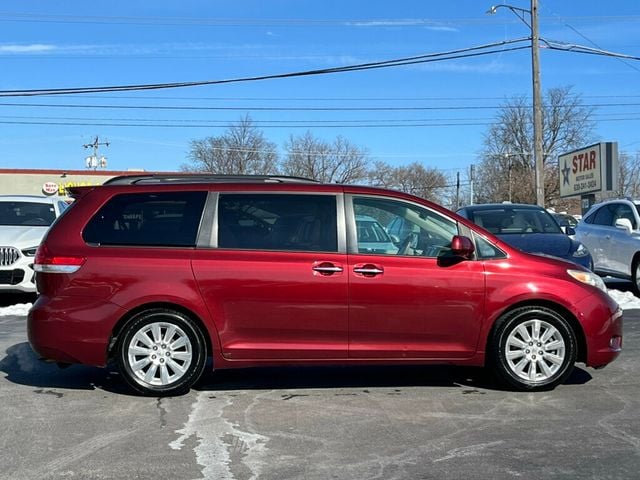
(510, 220)
(29, 214)
(371, 231)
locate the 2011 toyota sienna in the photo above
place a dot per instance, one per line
(161, 272)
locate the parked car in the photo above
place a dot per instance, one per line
(565, 220)
(530, 228)
(611, 231)
(159, 272)
(24, 219)
(372, 237)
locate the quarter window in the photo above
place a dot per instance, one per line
(278, 222)
(148, 219)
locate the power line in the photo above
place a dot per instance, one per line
(233, 22)
(294, 109)
(417, 59)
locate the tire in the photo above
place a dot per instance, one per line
(635, 276)
(161, 352)
(533, 349)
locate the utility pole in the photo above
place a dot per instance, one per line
(94, 161)
(471, 172)
(538, 154)
(457, 190)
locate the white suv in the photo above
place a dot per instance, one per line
(24, 219)
(611, 232)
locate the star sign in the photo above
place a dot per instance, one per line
(565, 174)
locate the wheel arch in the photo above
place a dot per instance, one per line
(581, 341)
(117, 329)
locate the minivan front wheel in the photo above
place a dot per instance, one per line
(533, 348)
(161, 352)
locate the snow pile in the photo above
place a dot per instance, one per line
(19, 309)
(626, 300)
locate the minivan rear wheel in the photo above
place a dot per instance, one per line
(533, 348)
(161, 352)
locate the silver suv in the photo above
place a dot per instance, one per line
(611, 232)
(24, 219)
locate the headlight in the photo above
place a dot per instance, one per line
(588, 278)
(581, 251)
(30, 252)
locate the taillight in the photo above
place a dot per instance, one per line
(46, 262)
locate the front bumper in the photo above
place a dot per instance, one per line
(602, 321)
(18, 277)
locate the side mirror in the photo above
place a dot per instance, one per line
(624, 224)
(462, 246)
(569, 230)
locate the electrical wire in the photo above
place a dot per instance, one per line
(468, 52)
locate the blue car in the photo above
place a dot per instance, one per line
(530, 228)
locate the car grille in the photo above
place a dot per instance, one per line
(11, 277)
(8, 256)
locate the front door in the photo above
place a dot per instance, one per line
(411, 300)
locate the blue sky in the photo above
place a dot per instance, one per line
(46, 44)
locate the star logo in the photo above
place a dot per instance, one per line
(565, 174)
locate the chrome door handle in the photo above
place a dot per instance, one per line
(327, 269)
(368, 270)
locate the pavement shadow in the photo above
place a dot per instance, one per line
(8, 299)
(470, 379)
(22, 366)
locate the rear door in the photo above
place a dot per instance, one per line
(273, 274)
(413, 301)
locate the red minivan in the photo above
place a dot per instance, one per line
(160, 272)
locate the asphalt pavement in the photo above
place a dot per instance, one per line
(317, 423)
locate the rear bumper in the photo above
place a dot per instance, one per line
(72, 329)
(602, 322)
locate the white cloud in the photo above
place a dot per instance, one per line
(429, 25)
(34, 48)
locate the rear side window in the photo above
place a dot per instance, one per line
(167, 219)
(278, 222)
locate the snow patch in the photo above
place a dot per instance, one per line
(626, 300)
(19, 310)
(219, 440)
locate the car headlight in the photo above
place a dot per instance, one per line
(588, 278)
(581, 251)
(30, 252)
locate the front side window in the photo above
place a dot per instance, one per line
(28, 214)
(604, 216)
(393, 227)
(289, 222)
(168, 219)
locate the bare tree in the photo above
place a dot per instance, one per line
(628, 175)
(413, 178)
(337, 162)
(241, 150)
(507, 165)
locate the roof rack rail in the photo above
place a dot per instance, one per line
(160, 178)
